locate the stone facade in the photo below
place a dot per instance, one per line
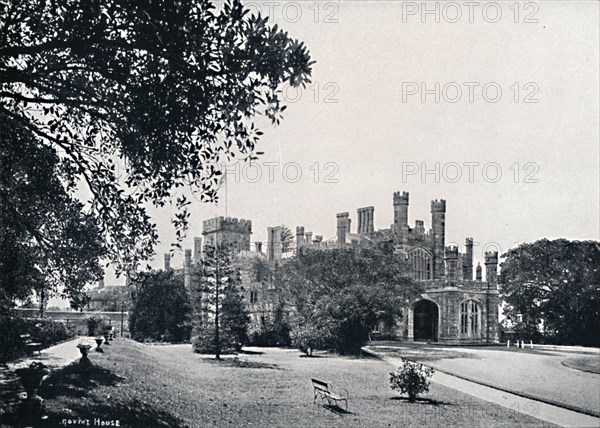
(454, 308)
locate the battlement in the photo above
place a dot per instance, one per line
(438, 206)
(400, 198)
(299, 230)
(491, 257)
(469, 241)
(343, 215)
(451, 252)
(226, 224)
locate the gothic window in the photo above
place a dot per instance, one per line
(421, 262)
(469, 318)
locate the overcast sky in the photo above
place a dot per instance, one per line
(373, 62)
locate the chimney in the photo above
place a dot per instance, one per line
(370, 228)
(197, 250)
(274, 243)
(167, 262)
(308, 238)
(342, 228)
(438, 227)
(299, 237)
(258, 246)
(468, 260)
(318, 240)
(187, 270)
(188, 258)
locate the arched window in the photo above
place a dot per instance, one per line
(421, 263)
(470, 319)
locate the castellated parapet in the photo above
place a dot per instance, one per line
(491, 257)
(438, 206)
(400, 198)
(227, 223)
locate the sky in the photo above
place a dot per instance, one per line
(513, 135)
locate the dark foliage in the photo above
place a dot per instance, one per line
(557, 282)
(273, 331)
(341, 293)
(161, 309)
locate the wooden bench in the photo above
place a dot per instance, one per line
(326, 392)
(30, 345)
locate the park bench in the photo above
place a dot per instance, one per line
(326, 392)
(31, 345)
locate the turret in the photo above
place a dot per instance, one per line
(478, 276)
(468, 260)
(438, 227)
(451, 262)
(491, 267)
(401, 216)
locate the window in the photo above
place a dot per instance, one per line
(420, 261)
(469, 318)
(253, 296)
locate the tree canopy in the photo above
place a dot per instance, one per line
(556, 283)
(135, 103)
(342, 293)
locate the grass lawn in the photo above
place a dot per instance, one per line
(586, 364)
(169, 386)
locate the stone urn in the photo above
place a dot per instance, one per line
(110, 336)
(98, 344)
(31, 378)
(106, 335)
(84, 349)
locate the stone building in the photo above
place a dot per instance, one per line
(455, 308)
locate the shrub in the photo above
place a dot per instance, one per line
(96, 326)
(272, 332)
(411, 379)
(308, 337)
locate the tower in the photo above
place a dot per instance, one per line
(438, 226)
(401, 216)
(300, 240)
(232, 232)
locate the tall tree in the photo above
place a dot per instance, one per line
(223, 319)
(137, 100)
(50, 245)
(346, 291)
(555, 284)
(287, 239)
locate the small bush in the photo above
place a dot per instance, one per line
(411, 379)
(96, 326)
(308, 337)
(272, 332)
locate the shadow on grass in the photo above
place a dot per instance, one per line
(422, 400)
(241, 363)
(247, 352)
(70, 393)
(333, 408)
